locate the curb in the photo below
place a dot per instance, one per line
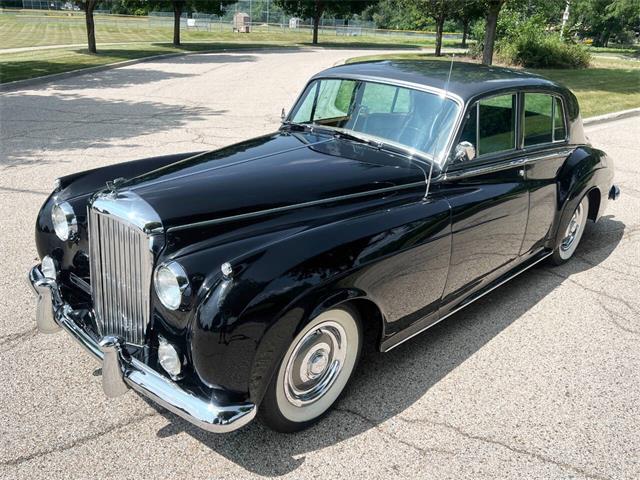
(610, 117)
(19, 84)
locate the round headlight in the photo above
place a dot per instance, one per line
(171, 284)
(64, 221)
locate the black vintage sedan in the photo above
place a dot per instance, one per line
(245, 280)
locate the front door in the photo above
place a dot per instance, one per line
(489, 199)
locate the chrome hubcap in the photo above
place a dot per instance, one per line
(315, 363)
(572, 229)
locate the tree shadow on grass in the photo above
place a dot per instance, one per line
(385, 385)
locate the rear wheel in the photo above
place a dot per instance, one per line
(572, 234)
(314, 371)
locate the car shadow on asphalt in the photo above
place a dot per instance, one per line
(385, 385)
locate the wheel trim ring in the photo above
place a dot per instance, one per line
(571, 233)
(323, 382)
(314, 410)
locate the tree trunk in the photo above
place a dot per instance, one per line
(439, 29)
(177, 13)
(317, 14)
(465, 32)
(490, 31)
(316, 26)
(89, 6)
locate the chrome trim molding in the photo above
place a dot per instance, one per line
(457, 309)
(118, 368)
(286, 208)
(498, 166)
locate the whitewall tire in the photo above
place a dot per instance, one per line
(572, 233)
(314, 371)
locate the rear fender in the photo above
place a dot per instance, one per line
(585, 169)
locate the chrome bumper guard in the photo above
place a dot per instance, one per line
(120, 371)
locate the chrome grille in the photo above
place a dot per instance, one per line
(121, 264)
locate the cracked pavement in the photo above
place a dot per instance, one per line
(538, 380)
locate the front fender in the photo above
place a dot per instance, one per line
(246, 322)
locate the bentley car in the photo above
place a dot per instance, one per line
(245, 281)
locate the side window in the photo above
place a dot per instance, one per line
(497, 124)
(538, 119)
(469, 132)
(559, 128)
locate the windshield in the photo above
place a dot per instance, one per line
(413, 119)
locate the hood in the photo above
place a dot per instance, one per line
(277, 170)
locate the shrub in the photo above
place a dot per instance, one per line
(539, 49)
(527, 42)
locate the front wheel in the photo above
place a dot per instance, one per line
(572, 234)
(313, 371)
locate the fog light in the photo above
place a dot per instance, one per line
(49, 269)
(169, 358)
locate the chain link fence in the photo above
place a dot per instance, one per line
(261, 16)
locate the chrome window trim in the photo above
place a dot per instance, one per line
(495, 157)
(487, 157)
(553, 95)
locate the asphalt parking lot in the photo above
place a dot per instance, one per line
(538, 380)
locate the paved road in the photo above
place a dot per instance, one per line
(537, 380)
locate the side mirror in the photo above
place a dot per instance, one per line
(464, 152)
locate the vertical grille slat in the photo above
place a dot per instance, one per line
(121, 264)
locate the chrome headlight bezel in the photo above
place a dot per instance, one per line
(64, 221)
(171, 285)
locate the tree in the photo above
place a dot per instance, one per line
(603, 19)
(466, 11)
(493, 10)
(314, 9)
(88, 6)
(181, 6)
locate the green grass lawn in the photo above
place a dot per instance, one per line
(123, 38)
(608, 85)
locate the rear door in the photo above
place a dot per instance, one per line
(545, 146)
(488, 196)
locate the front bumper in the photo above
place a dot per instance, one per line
(120, 371)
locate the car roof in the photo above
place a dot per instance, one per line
(468, 80)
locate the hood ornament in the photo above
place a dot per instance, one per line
(113, 185)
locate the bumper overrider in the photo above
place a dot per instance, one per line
(120, 371)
